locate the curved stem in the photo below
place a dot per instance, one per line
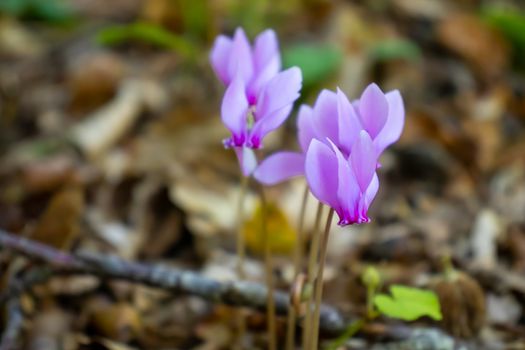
(241, 253)
(298, 259)
(319, 282)
(312, 258)
(270, 304)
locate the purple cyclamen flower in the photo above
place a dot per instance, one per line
(334, 117)
(348, 185)
(259, 97)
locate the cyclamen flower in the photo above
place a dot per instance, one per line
(341, 131)
(348, 185)
(334, 117)
(259, 98)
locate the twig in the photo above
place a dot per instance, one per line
(237, 293)
(13, 325)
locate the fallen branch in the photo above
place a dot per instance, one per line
(235, 293)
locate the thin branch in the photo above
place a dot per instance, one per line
(13, 326)
(236, 293)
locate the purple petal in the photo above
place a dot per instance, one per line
(241, 62)
(219, 58)
(325, 116)
(348, 192)
(305, 127)
(281, 90)
(266, 51)
(247, 160)
(321, 173)
(349, 124)
(373, 110)
(276, 103)
(269, 123)
(234, 108)
(363, 160)
(261, 78)
(279, 167)
(394, 123)
(371, 192)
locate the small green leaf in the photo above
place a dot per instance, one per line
(408, 303)
(145, 32)
(53, 11)
(511, 23)
(395, 49)
(317, 62)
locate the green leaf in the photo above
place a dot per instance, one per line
(395, 49)
(145, 32)
(511, 23)
(408, 303)
(317, 62)
(56, 11)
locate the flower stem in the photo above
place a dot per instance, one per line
(241, 253)
(270, 305)
(298, 259)
(312, 258)
(318, 291)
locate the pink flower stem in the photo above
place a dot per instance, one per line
(319, 282)
(268, 264)
(298, 260)
(241, 252)
(312, 258)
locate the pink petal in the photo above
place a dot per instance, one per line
(276, 103)
(363, 160)
(305, 127)
(281, 90)
(349, 124)
(394, 123)
(219, 58)
(348, 192)
(325, 116)
(371, 191)
(266, 51)
(235, 107)
(279, 167)
(373, 110)
(247, 160)
(241, 62)
(321, 173)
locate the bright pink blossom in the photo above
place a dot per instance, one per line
(342, 131)
(259, 97)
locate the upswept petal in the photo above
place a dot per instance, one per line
(347, 190)
(325, 116)
(247, 160)
(363, 160)
(371, 192)
(261, 78)
(241, 61)
(349, 124)
(282, 90)
(305, 127)
(279, 167)
(234, 108)
(266, 51)
(321, 171)
(268, 124)
(373, 109)
(219, 58)
(394, 123)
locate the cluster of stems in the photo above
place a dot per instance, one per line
(313, 288)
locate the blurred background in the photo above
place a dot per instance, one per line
(110, 139)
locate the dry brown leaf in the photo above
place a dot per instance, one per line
(59, 224)
(475, 42)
